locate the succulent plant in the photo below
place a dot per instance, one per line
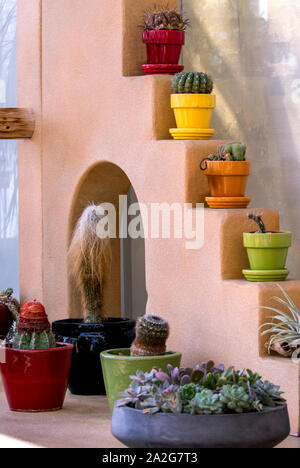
(164, 19)
(236, 398)
(206, 402)
(258, 220)
(33, 328)
(192, 83)
(188, 392)
(6, 297)
(213, 391)
(151, 336)
(268, 394)
(285, 327)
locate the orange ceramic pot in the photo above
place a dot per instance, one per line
(227, 178)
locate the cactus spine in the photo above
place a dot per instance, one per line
(192, 83)
(151, 335)
(33, 329)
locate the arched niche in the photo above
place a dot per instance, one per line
(104, 183)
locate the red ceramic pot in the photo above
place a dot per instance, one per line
(163, 47)
(6, 320)
(36, 380)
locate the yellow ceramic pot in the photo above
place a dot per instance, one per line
(193, 110)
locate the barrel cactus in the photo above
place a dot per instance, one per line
(151, 335)
(33, 329)
(206, 402)
(192, 83)
(236, 398)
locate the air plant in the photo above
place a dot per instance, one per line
(285, 327)
(89, 261)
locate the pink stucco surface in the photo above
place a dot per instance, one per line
(72, 61)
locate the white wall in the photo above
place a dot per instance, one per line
(252, 50)
(9, 268)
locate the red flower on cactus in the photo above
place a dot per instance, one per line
(33, 318)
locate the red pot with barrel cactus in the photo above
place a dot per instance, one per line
(36, 369)
(164, 36)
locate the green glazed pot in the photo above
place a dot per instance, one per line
(267, 251)
(118, 369)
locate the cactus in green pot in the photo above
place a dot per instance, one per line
(33, 329)
(151, 335)
(192, 83)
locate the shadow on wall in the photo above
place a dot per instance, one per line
(250, 47)
(125, 294)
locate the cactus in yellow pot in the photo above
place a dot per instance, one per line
(193, 102)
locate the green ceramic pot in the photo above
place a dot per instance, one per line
(267, 251)
(118, 366)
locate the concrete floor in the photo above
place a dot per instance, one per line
(83, 423)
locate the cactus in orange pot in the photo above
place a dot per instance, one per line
(33, 329)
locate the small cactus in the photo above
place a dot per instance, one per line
(170, 20)
(206, 402)
(258, 220)
(235, 398)
(192, 83)
(33, 329)
(151, 336)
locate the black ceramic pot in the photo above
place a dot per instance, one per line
(89, 341)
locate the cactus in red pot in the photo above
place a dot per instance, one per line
(35, 369)
(33, 329)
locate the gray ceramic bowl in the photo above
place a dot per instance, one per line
(249, 430)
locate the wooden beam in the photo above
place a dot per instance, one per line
(16, 123)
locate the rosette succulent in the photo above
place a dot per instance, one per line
(235, 398)
(206, 402)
